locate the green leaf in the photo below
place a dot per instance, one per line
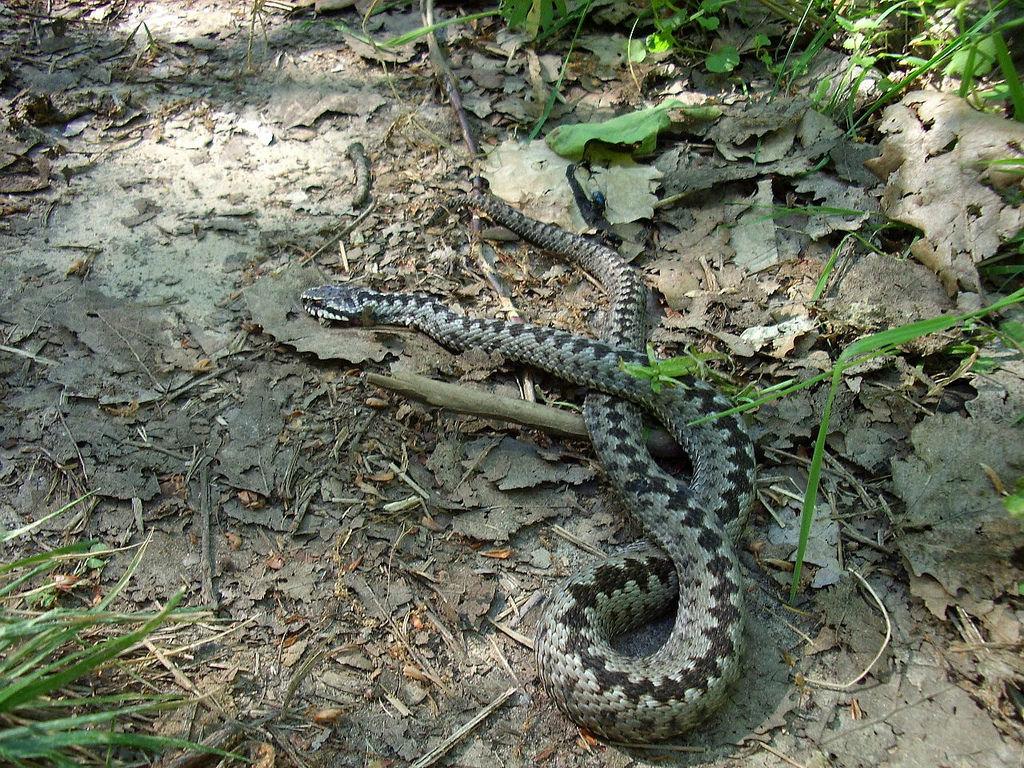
(636, 51)
(760, 40)
(978, 59)
(676, 366)
(1014, 329)
(516, 11)
(660, 42)
(710, 23)
(636, 131)
(723, 60)
(1015, 505)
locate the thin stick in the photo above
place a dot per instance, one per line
(208, 592)
(487, 405)
(572, 539)
(436, 754)
(446, 78)
(850, 533)
(480, 403)
(225, 738)
(885, 644)
(519, 637)
(781, 756)
(29, 355)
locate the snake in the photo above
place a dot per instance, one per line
(688, 561)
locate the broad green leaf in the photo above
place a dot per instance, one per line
(1014, 503)
(1014, 329)
(975, 60)
(636, 51)
(723, 60)
(637, 131)
(515, 11)
(659, 42)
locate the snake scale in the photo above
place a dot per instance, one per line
(693, 521)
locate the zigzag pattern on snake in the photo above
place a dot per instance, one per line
(695, 569)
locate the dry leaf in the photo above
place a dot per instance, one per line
(275, 561)
(935, 162)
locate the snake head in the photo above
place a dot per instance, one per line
(341, 303)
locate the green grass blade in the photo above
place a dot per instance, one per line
(35, 686)
(884, 340)
(1013, 83)
(42, 557)
(126, 576)
(160, 699)
(553, 96)
(857, 352)
(7, 536)
(419, 32)
(965, 38)
(813, 483)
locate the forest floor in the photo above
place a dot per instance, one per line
(172, 176)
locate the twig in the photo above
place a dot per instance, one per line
(519, 637)
(446, 78)
(208, 592)
(502, 660)
(29, 355)
(850, 533)
(224, 738)
(481, 403)
(781, 756)
(881, 650)
(361, 197)
(487, 405)
(300, 674)
(864, 724)
(557, 529)
(436, 754)
(205, 700)
(450, 85)
(361, 164)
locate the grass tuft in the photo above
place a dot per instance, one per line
(60, 700)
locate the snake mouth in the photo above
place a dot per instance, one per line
(333, 302)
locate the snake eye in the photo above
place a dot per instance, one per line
(339, 303)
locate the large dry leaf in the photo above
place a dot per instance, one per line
(954, 527)
(532, 178)
(936, 164)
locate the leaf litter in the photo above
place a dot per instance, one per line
(162, 360)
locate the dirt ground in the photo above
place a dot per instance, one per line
(172, 175)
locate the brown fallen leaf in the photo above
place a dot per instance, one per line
(251, 500)
(275, 561)
(413, 673)
(328, 716)
(498, 554)
(935, 163)
(125, 411)
(264, 756)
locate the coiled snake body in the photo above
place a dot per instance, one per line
(618, 696)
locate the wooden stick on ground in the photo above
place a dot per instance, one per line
(487, 405)
(436, 754)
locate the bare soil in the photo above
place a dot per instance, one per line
(172, 175)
